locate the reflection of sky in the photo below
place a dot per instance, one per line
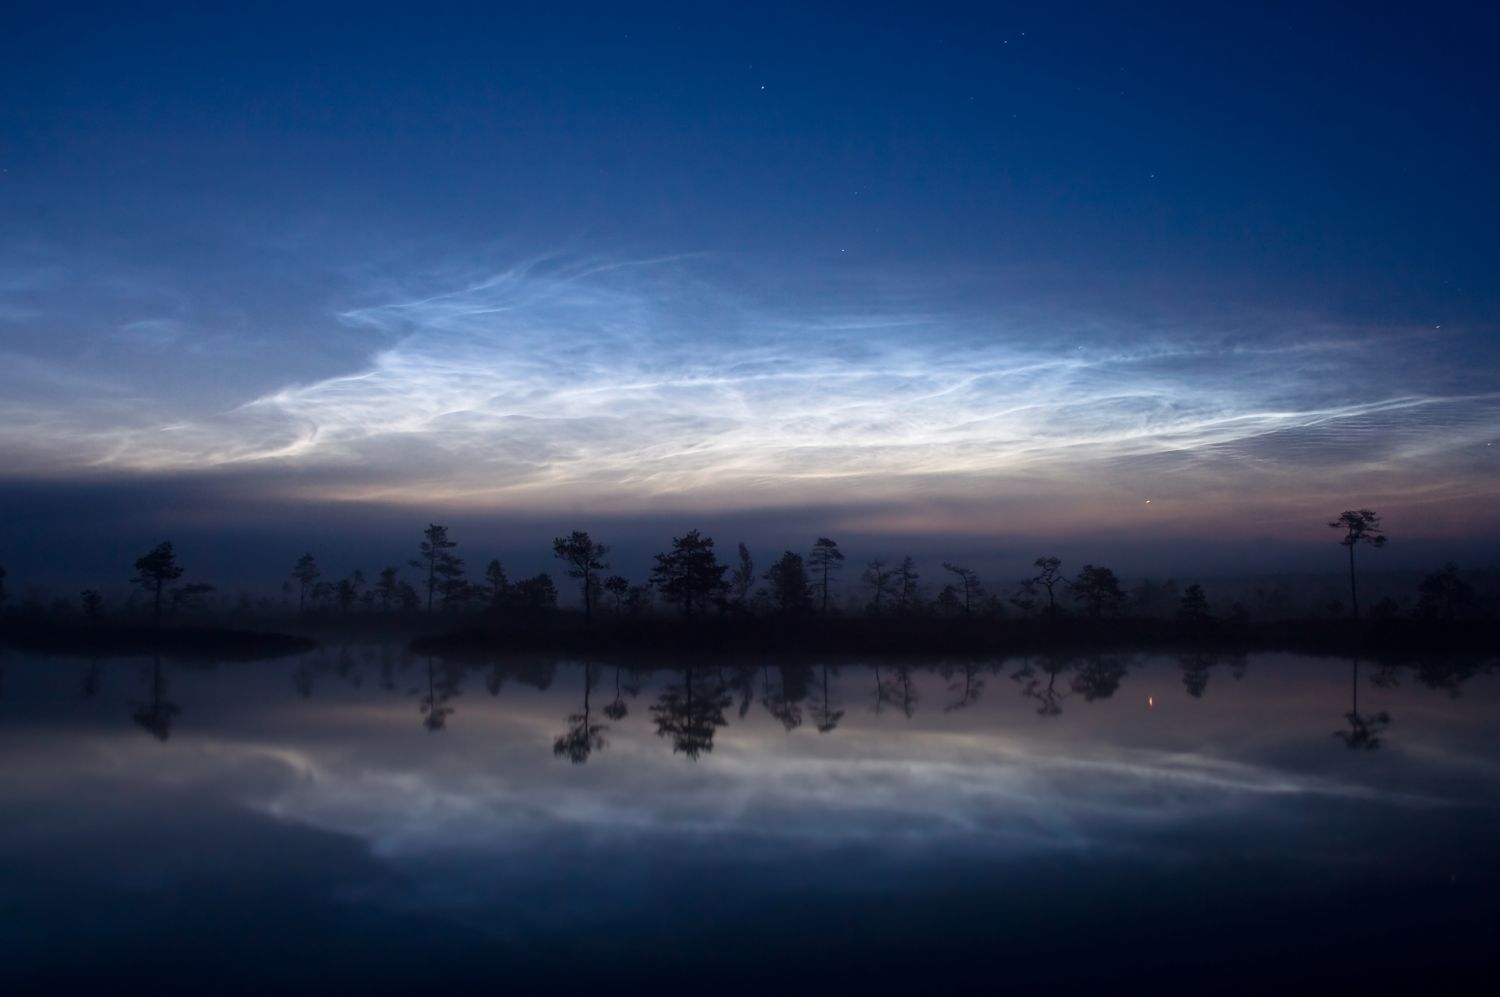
(344, 798)
(350, 759)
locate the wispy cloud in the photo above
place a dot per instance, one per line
(641, 381)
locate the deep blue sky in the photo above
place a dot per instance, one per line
(929, 269)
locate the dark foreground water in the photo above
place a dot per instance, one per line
(364, 821)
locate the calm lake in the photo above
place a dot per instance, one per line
(364, 820)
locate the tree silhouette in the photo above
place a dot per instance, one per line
(1443, 595)
(968, 585)
(617, 586)
(584, 558)
(880, 580)
(153, 571)
(690, 574)
(1194, 605)
(450, 581)
(742, 579)
(304, 573)
(948, 601)
(388, 588)
(1360, 526)
(496, 585)
(1048, 576)
(1098, 589)
(92, 603)
(791, 592)
(689, 716)
(183, 597)
(537, 592)
(435, 549)
(583, 737)
(348, 590)
(906, 584)
(4, 592)
(826, 559)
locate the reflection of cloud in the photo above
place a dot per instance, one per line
(635, 381)
(924, 787)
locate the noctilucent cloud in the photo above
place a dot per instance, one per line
(937, 270)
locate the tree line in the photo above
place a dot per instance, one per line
(690, 579)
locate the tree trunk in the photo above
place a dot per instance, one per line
(1353, 592)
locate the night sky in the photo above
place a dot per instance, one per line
(981, 279)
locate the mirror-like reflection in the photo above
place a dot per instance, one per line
(1366, 731)
(156, 713)
(744, 808)
(583, 736)
(690, 711)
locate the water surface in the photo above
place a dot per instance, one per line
(363, 819)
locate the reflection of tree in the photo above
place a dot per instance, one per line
(303, 678)
(583, 737)
(1448, 674)
(617, 709)
(895, 690)
(779, 701)
(885, 692)
(387, 668)
(442, 685)
(93, 678)
(347, 669)
(968, 689)
(743, 684)
(1049, 698)
(824, 715)
(1099, 676)
(1365, 732)
(156, 716)
(690, 716)
(1196, 669)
